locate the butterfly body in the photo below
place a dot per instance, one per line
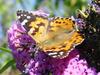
(56, 37)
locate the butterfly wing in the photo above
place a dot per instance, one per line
(35, 25)
(61, 38)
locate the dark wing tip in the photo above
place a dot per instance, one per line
(19, 12)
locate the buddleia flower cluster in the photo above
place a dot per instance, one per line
(83, 60)
(89, 22)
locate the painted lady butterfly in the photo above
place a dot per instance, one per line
(56, 37)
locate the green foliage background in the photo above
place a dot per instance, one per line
(8, 8)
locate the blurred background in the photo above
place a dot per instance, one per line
(8, 8)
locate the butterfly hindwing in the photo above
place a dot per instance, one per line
(62, 37)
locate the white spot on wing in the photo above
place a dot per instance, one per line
(19, 17)
(28, 17)
(54, 53)
(25, 21)
(54, 56)
(61, 53)
(21, 14)
(25, 15)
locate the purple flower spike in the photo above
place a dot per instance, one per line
(21, 44)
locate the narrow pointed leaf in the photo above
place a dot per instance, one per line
(5, 49)
(7, 65)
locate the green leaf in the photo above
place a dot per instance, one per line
(7, 65)
(5, 49)
(50, 73)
